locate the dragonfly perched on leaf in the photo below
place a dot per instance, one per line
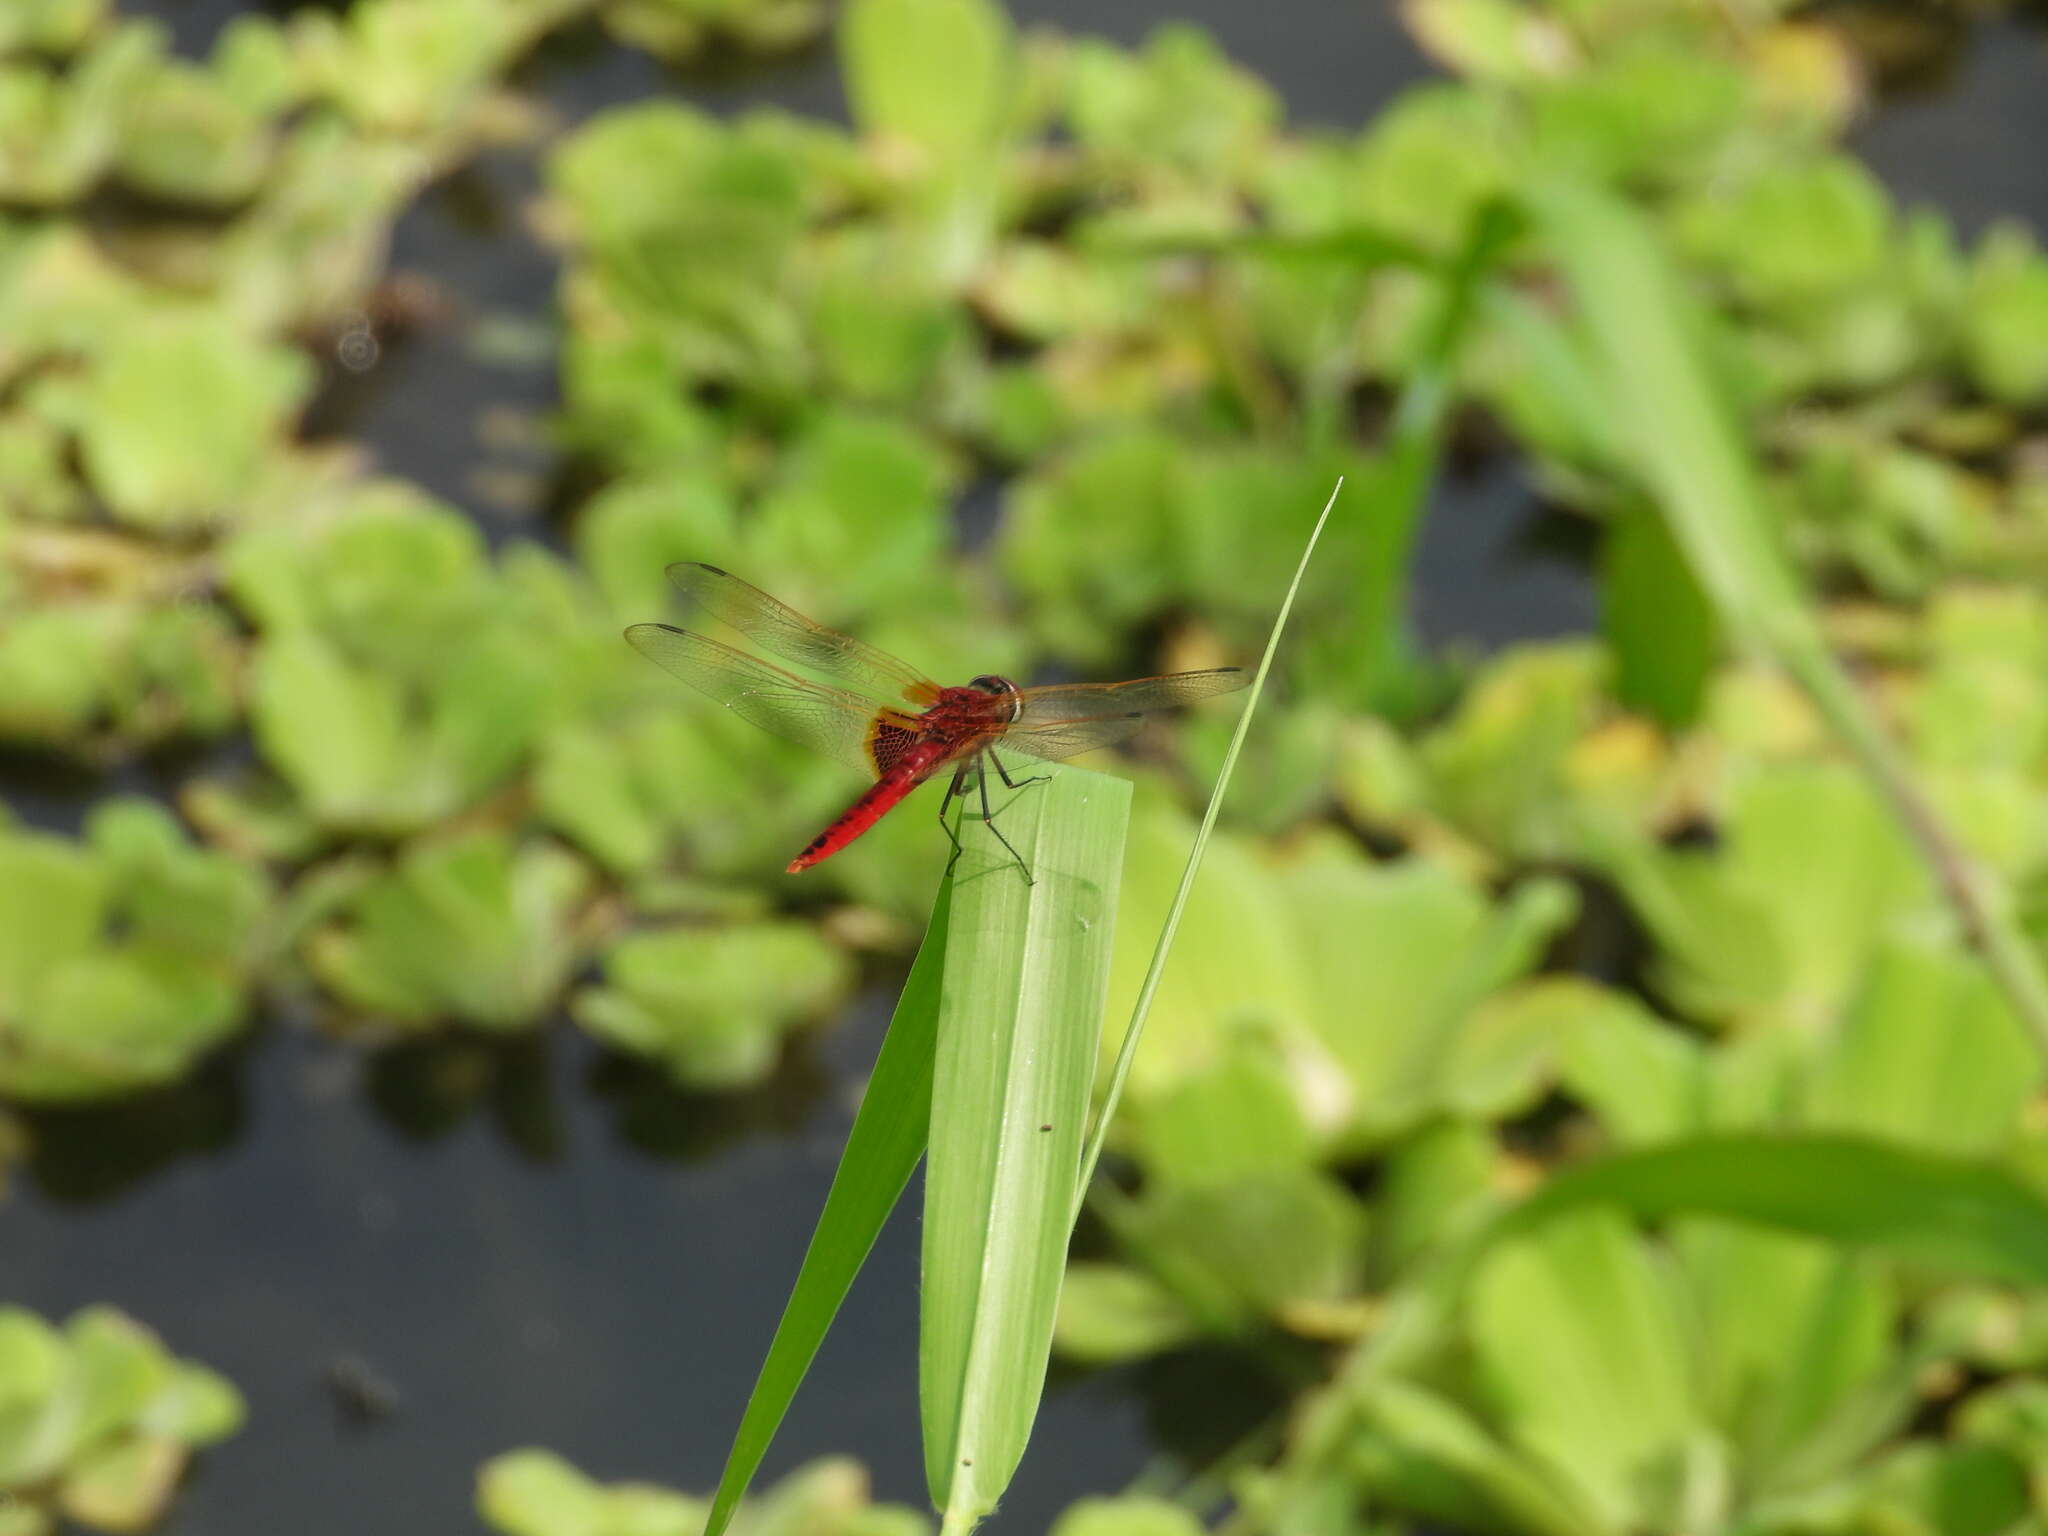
(886, 718)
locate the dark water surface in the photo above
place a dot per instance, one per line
(412, 1262)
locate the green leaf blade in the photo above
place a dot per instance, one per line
(882, 1150)
(1958, 1215)
(1027, 974)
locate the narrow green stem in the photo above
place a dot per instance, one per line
(1129, 1048)
(1973, 894)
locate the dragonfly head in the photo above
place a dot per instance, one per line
(998, 686)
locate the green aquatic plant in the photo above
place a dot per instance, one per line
(127, 955)
(98, 1421)
(469, 929)
(713, 1004)
(135, 413)
(536, 1493)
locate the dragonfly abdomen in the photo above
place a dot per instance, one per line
(912, 770)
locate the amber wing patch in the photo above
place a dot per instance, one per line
(889, 738)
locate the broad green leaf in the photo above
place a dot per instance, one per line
(932, 72)
(537, 1493)
(196, 1407)
(583, 786)
(860, 497)
(2005, 325)
(1235, 1117)
(1790, 1328)
(1400, 955)
(188, 139)
(1964, 1217)
(469, 928)
(1247, 1252)
(713, 1005)
(58, 130)
(1026, 979)
(123, 1484)
(1928, 1053)
(179, 417)
(1175, 105)
(1129, 1516)
(1422, 1453)
(1500, 768)
(1644, 1079)
(53, 898)
(1583, 1352)
(1089, 538)
(1433, 1178)
(1109, 1314)
(1367, 979)
(1239, 965)
(332, 729)
(1430, 162)
(1792, 230)
(50, 26)
(117, 1368)
(58, 666)
(119, 1018)
(888, 1137)
(1782, 921)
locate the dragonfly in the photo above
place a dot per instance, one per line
(887, 719)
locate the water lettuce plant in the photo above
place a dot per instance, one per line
(126, 956)
(536, 1493)
(98, 1421)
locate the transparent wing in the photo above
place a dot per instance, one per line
(1088, 701)
(780, 630)
(841, 725)
(1068, 738)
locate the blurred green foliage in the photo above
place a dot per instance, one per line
(536, 1493)
(98, 1421)
(124, 957)
(1475, 923)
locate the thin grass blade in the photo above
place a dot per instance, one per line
(1675, 429)
(1026, 976)
(882, 1150)
(1129, 1049)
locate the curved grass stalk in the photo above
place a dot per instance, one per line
(1129, 1049)
(1674, 429)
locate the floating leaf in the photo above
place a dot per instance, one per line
(470, 928)
(712, 1005)
(179, 416)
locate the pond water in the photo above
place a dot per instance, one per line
(414, 1261)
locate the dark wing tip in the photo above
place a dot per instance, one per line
(680, 569)
(637, 633)
(706, 565)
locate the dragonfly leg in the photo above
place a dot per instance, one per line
(1010, 783)
(954, 791)
(989, 816)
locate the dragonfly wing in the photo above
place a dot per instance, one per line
(1069, 738)
(781, 630)
(1089, 701)
(844, 726)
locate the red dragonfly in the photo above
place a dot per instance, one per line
(889, 720)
